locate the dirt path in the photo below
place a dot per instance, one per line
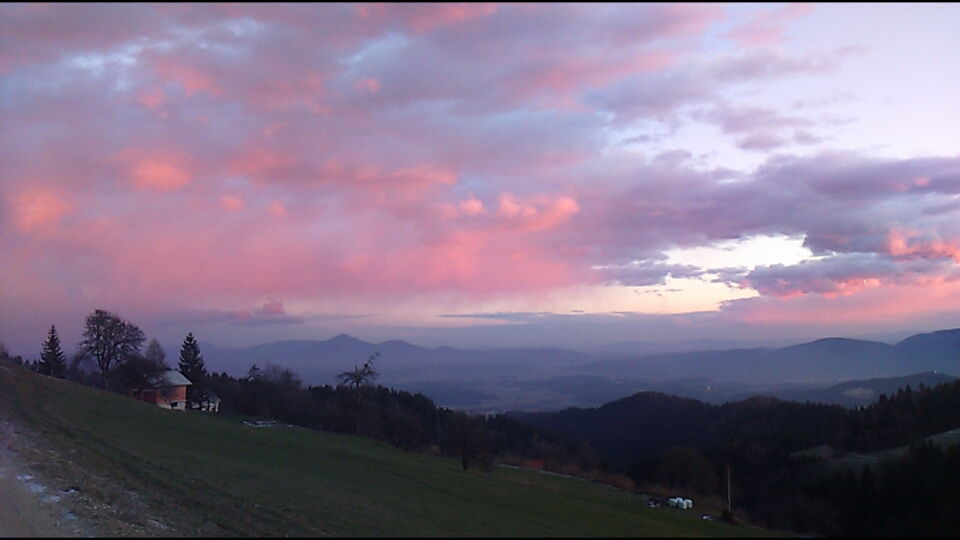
(28, 507)
(13, 521)
(45, 493)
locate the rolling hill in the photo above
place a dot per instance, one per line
(824, 361)
(195, 474)
(647, 424)
(862, 392)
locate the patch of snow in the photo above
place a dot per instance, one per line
(35, 487)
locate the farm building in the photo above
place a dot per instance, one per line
(167, 389)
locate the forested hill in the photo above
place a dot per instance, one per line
(681, 445)
(649, 423)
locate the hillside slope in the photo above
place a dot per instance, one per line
(647, 424)
(860, 393)
(195, 474)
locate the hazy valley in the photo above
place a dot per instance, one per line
(502, 379)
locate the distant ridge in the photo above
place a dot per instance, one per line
(863, 392)
(941, 347)
(319, 361)
(544, 378)
(827, 360)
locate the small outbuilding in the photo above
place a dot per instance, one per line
(167, 389)
(209, 403)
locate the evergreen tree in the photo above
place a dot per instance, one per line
(191, 365)
(52, 360)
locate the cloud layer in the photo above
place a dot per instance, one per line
(187, 162)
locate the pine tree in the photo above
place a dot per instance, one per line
(52, 360)
(191, 365)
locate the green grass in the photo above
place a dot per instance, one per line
(223, 478)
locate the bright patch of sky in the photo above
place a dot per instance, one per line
(689, 294)
(744, 253)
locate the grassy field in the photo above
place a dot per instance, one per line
(854, 462)
(212, 475)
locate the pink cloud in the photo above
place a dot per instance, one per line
(367, 84)
(38, 208)
(913, 244)
(768, 27)
(278, 209)
(191, 78)
(867, 308)
(462, 260)
(267, 164)
(562, 78)
(273, 307)
(232, 203)
(472, 206)
(152, 98)
(538, 214)
(425, 173)
(158, 170)
(425, 17)
(308, 90)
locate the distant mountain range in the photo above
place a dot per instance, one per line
(552, 378)
(822, 361)
(319, 362)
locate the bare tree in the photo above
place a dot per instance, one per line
(358, 379)
(468, 435)
(156, 354)
(109, 340)
(360, 375)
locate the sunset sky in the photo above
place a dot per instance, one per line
(479, 175)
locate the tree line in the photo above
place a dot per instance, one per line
(673, 445)
(111, 356)
(409, 421)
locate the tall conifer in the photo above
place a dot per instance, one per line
(52, 360)
(191, 365)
